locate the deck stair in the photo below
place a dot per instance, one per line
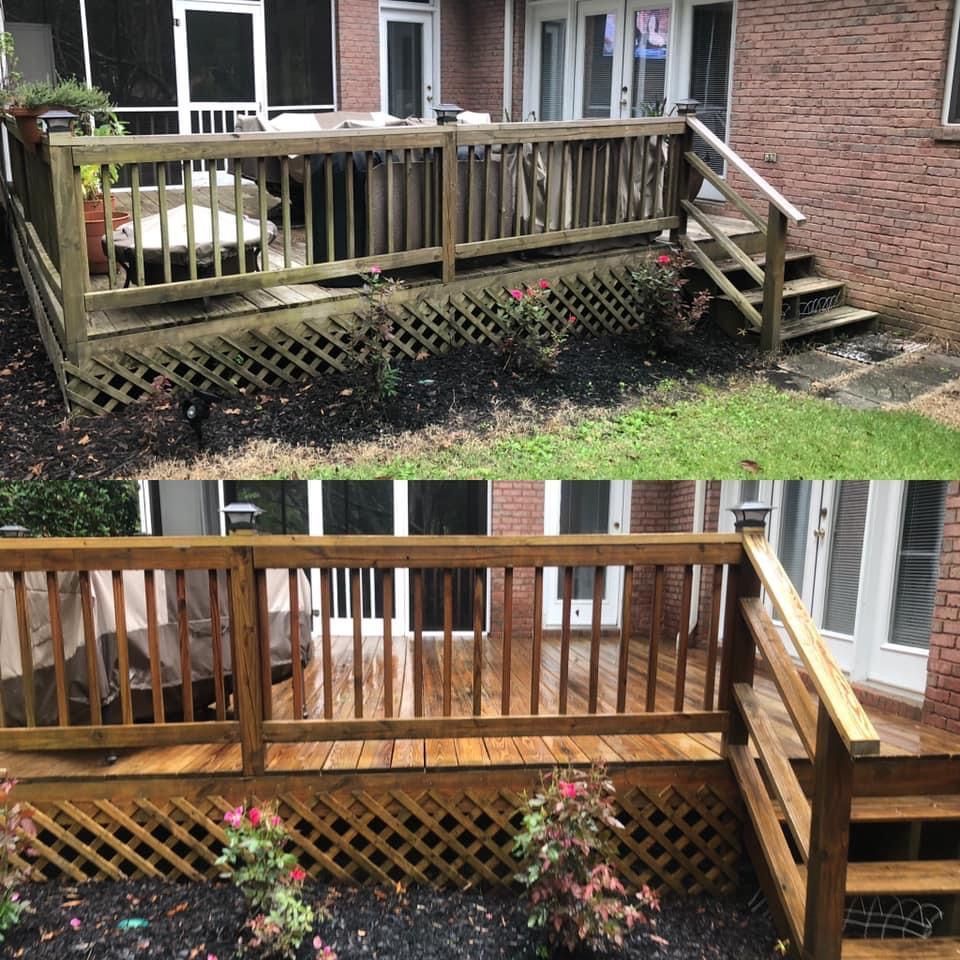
(859, 838)
(775, 295)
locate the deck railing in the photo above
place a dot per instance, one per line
(80, 619)
(397, 197)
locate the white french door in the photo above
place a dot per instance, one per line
(221, 63)
(407, 84)
(584, 506)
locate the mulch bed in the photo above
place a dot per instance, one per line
(467, 388)
(192, 921)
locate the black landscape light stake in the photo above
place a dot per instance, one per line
(196, 410)
(58, 121)
(241, 517)
(13, 531)
(750, 515)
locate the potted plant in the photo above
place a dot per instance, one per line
(94, 207)
(26, 101)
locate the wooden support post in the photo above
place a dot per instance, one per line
(677, 187)
(739, 650)
(449, 188)
(829, 842)
(773, 281)
(74, 271)
(246, 674)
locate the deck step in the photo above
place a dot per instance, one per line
(760, 259)
(900, 809)
(803, 287)
(837, 317)
(936, 948)
(903, 877)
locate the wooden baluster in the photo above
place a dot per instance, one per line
(605, 191)
(686, 594)
(829, 842)
(502, 218)
(680, 146)
(216, 645)
(631, 147)
(548, 154)
(239, 226)
(596, 624)
(183, 635)
(123, 647)
(247, 684)
(407, 219)
(447, 641)
(285, 211)
(417, 575)
(478, 577)
(622, 147)
(59, 657)
(187, 168)
(137, 216)
(371, 249)
(212, 186)
(534, 162)
(296, 660)
(388, 643)
(390, 210)
(658, 179)
(356, 616)
(325, 604)
(773, 273)
(164, 216)
(656, 628)
(153, 646)
(263, 636)
(351, 206)
(739, 652)
(90, 648)
(329, 218)
(308, 209)
(263, 198)
(536, 652)
(470, 166)
(591, 197)
(429, 233)
(644, 145)
(485, 206)
(449, 193)
(578, 187)
(626, 627)
(713, 638)
(565, 636)
(108, 227)
(518, 190)
(566, 161)
(506, 659)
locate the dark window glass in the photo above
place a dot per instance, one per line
(283, 502)
(62, 18)
(299, 52)
(404, 68)
(220, 56)
(584, 508)
(953, 111)
(131, 51)
(710, 72)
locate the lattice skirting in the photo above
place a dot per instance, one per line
(683, 838)
(303, 341)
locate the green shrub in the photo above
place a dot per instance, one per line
(71, 508)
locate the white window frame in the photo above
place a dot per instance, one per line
(429, 14)
(953, 65)
(593, 8)
(537, 13)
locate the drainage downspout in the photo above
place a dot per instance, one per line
(508, 59)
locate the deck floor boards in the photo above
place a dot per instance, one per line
(899, 737)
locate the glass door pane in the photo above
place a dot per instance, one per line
(600, 42)
(553, 39)
(220, 56)
(795, 530)
(845, 557)
(405, 81)
(647, 52)
(710, 72)
(584, 508)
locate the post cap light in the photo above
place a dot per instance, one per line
(13, 530)
(58, 121)
(447, 113)
(241, 516)
(750, 515)
(687, 106)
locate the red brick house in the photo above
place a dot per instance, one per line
(876, 562)
(853, 112)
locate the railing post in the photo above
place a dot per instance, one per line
(773, 272)
(739, 651)
(829, 842)
(449, 189)
(247, 691)
(680, 146)
(68, 212)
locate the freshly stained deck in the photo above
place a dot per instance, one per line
(899, 737)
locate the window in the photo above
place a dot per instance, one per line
(553, 41)
(283, 502)
(62, 18)
(952, 106)
(299, 52)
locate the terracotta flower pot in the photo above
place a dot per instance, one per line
(26, 117)
(94, 217)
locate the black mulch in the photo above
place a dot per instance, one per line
(467, 388)
(192, 921)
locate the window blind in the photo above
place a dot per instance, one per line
(918, 563)
(552, 44)
(794, 526)
(846, 551)
(710, 72)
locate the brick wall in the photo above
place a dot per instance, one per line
(849, 95)
(472, 55)
(358, 54)
(942, 704)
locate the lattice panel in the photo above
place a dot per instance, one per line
(685, 839)
(279, 351)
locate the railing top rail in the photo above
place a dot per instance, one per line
(117, 553)
(852, 723)
(166, 147)
(769, 192)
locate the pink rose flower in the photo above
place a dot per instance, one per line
(254, 816)
(233, 818)
(376, 270)
(663, 259)
(298, 874)
(275, 821)
(567, 790)
(76, 923)
(517, 295)
(544, 285)
(571, 319)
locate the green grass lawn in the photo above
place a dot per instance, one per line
(711, 435)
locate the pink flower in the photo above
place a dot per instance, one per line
(544, 285)
(376, 270)
(76, 923)
(254, 816)
(664, 259)
(317, 943)
(571, 319)
(233, 818)
(517, 295)
(567, 790)
(211, 956)
(298, 874)
(275, 821)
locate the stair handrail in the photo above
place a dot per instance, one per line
(855, 728)
(770, 193)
